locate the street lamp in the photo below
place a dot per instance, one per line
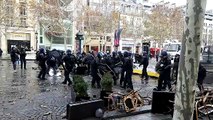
(100, 41)
(79, 37)
(207, 34)
(36, 36)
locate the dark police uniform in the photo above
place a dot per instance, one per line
(145, 63)
(94, 72)
(69, 61)
(164, 69)
(42, 63)
(128, 69)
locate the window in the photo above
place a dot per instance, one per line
(22, 10)
(41, 31)
(108, 38)
(23, 22)
(41, 39)
(9, 22)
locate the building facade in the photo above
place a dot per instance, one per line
(55, 30)
(125, 14)
(16, 28)
(208, 28)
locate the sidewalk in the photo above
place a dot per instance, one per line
(30, 56)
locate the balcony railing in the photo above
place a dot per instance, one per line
(22, 1)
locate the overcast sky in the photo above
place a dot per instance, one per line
(183, 2)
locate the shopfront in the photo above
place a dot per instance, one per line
(18, 40)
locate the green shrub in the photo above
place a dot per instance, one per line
(80, 86)
(107, 82)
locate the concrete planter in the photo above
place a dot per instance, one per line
(82, 110)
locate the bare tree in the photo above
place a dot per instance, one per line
(189, 60)
(165, 22)
(13, 17)
(53, 17)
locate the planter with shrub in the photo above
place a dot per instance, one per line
(80, 87)
(106, 84)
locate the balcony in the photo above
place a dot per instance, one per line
(23, 1)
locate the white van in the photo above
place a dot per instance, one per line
(172, 49)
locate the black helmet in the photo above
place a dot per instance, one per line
(68, 52)
(41, 50)
(164, 54)
(114, 53)
(100, 55)
(130, 54)
(126, 54)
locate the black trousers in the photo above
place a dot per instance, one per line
(23, 62)
(165, 80)
(66, 76)
(122, 76)
(128, 79)
(144, 73)
(14, 64)
(88, 69)
(42, 72)
(96, 79)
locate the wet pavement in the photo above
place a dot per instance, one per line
(24, 97)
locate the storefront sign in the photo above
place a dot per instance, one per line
(18, 36)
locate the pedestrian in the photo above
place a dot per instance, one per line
(42, 63)
(128, 69)
(69, 59)
(163, 67)
(145, 63)
(1, 52)
(23, 58)
(201, 77)
(14, 57)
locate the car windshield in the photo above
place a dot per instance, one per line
(171, 47)
(208, 49)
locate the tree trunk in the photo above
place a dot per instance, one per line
(189, 60)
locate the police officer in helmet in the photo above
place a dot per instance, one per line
(69, 59)
(163, 67)
(145, 63)
(128, 69)
(95, 69)
(41, 57)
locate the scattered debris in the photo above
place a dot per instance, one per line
(48, 113)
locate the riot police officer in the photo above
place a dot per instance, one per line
(164, 69)
(145, 63)
(175, 68)
(88, 60)
(69, 59)
(95, 69)
(121, 57)
(128, 69)
(41, 57)
(201, 77)
(115, 63)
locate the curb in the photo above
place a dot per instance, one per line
(5, 59)
(145, 109)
